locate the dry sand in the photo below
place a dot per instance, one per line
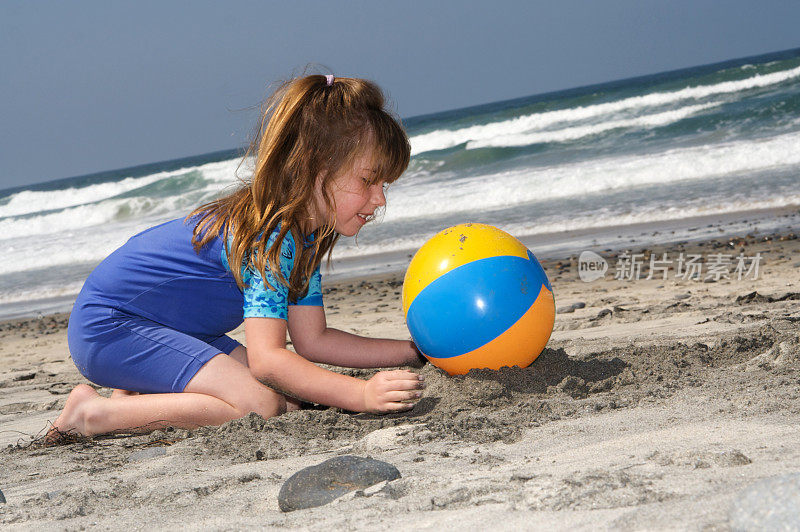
(651, 408)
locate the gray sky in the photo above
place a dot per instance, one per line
(87, 86)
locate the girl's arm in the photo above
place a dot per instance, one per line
(272, 363)
(317, 342)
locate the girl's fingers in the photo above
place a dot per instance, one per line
(406, 385)
(404, 382)
(397, 396)
(398, 407)
(402, 374)
(395, 385)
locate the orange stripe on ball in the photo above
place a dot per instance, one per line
(519, 345)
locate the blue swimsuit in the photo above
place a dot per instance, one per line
(155, 311)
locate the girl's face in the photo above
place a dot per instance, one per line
(355, 199)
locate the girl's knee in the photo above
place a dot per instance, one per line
(266, 404)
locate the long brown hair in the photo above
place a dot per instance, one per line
(308, 129)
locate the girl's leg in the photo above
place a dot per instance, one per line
(222, 390)
(240, 355)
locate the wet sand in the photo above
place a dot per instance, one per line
(654, 404)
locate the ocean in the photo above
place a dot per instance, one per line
(606, 162)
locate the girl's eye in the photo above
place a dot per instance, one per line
(369, 183)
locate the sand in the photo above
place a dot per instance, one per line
(652, 407)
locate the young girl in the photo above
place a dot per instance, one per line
(151, 319)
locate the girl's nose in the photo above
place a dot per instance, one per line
(378, 197)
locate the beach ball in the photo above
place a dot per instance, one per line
(475, 297)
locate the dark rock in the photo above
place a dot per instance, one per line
(322, 483)
(147, 454)
(683, 296)
(2, 498)
(772, 504)
(571, 308)
(603, 313)
(753, 297)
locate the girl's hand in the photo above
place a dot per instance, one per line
(386, 391)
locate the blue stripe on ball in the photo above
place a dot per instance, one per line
(473, 304)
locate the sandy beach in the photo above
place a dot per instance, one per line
(656, 402)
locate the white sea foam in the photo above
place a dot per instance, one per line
(443, 138)
(31, 201)
(69, 247)
(107, 212)
(573, 133)
(84, 216)
(225, 171)
(41, 292)
(515, 187)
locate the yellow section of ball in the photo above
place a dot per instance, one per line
(454, 247)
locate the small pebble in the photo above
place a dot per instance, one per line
(683, 296)
(2, 498)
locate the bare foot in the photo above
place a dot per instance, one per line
(123, 393)
(72, 418)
